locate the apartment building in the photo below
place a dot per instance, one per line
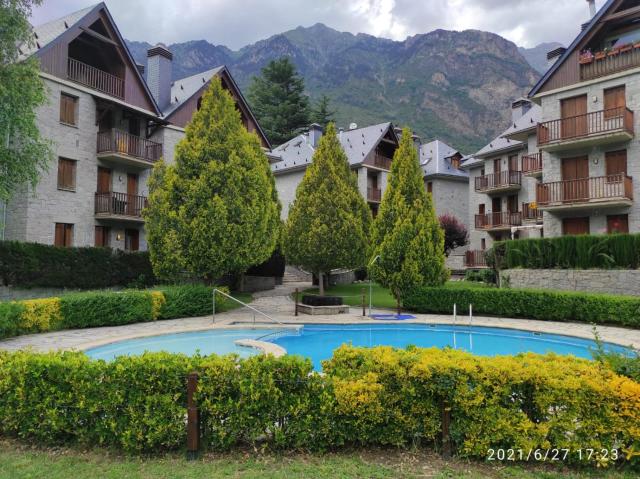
(503, 177)
(369, 150)
(108, 125)
(587, 133)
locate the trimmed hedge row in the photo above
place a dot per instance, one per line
(528, 303)
(581, 252)
(377, 396)
(37, 265)
(92, 309)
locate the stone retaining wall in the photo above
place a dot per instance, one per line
(613, 281)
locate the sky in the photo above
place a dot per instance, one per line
(236, 23)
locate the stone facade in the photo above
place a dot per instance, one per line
(552, 161)
(612, 281)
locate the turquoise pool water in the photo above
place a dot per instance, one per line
(317, 342)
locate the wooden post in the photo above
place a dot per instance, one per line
(296, 300)
(364, 308)
(446, 428)
(193, 418)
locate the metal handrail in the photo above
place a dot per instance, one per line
(213, 315)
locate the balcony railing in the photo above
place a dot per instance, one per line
(498, 219)
(502, 179)
(532, 164)
(382, 161)
(603, 63)
(585, 190)
(119, 204)
(95, 78)
(475, 258)
(584, 126)
(374, 194)
(117, 141)
(530, 212)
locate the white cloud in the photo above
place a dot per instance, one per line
(236, 23)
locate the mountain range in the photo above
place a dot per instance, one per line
(456, 86)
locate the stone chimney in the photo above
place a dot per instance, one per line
(519, 108)
(553, 55)
(159, 72)
(315, 132)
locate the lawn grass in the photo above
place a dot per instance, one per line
(21, 462)
(229, 304)
(382, 298)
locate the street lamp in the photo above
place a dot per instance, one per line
(370, 286)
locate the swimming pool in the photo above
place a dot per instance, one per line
(317, 342)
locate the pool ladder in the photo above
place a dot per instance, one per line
(228, 296)
(455, 316)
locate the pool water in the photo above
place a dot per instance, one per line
(317, 342)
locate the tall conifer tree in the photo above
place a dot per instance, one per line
(216, 210)
(329, 220)
(406, 234)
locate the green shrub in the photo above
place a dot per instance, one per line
(112, 308)
(582, 252)
(528, 303)
(378, 396)
(480, 275)
(37, 265)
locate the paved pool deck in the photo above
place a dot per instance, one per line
(278, 305)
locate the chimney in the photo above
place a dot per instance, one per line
(159, 74)
(140, 68)
(592, 8)
(519, 108)
(553, 55)
(315, 132)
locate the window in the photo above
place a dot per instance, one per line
(131, 240)
(614, 102)
(63, 235)
(483, 244)
(66, 174)
(429, 186)
(68, 109)
(575, 226)
(617, 224)
(102, 236)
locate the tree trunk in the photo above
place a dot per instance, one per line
(399, 309)
(321, 283)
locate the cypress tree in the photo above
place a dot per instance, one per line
(329, 220)
(406, 234)
(216, 210)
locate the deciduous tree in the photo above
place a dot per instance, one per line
(406, 236)
(216, 210)
(279, 102)
(455, 233)
(329, 220)
(24, 154)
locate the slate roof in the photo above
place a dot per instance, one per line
(435, 159)
(48, 32)
(357, 144)
(185, 88)
(526, 122)
(470, 161)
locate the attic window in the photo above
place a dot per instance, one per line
(455, 162)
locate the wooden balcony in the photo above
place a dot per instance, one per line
(498, 221)
(126, 148)
(531, 213)
(499, 182)
(95, 78)
(597, 191)
(475, 258)
(595, 128)
(532, 165)
(119, 206)
(382, 161)
(602, 63)
(374, 195)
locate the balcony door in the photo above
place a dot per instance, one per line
(104, 180)
(496, 211)
(575, 176)
(133, 208)
(615, 164)
(573, 112)
(614, 103)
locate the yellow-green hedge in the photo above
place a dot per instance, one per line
(111, 308)
(378, 396)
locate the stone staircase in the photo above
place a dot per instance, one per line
(295, 275)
